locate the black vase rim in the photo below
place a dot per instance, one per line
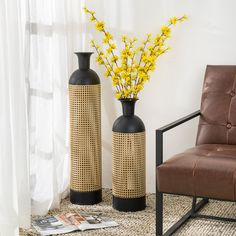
(128, 99)
(88, 53)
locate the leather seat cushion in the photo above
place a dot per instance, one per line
(207, 170)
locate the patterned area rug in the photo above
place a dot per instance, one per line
(143, 223)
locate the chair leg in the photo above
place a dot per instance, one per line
(195, 213)
(159, 213)
(195, 209)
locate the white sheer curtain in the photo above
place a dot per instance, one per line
(54, 28)
(37, 41)
(14, 167)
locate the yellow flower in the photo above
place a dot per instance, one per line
(149, 37)
(141, 49)
(99, 60)
(118, 95)
(166, 31)
(117, 70)
(123, 38)
(131, 45)
(107, 73)
(114, 58)
(92, 43)
(113, 46)
(100, 25)
(124, 66)
(144, 57)
(105, 40)
(107, 37)
(114, 83)
(109, 50)
(126, 93)
(92, 18)
(152, 68)
(150, 59)
(151, 48)
(139, 87)
(173, 20)
(125, 52)
(85, 9)
(185, 17)
(114, 77)
(127, 79)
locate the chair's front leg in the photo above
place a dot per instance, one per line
(159, 213)
(159, 195)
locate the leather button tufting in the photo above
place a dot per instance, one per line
(228, 125)
(232, 93)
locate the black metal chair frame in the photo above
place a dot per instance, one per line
(193, 212)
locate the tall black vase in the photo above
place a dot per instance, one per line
(85, 133)
(128, 160)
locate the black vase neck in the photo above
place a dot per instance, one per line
(84, 60)
(128, 106)
(128, 122)
(84, 75)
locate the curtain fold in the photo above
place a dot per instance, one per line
(54, 27)
(14, 158)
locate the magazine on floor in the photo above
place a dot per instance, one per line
(72, 221)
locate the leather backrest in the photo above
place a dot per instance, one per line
(217, 123)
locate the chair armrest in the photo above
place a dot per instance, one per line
(160, 131)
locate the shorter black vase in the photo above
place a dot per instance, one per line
(128, 160)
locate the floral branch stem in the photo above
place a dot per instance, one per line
(117, 87)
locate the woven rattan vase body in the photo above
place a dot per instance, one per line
(85, 134)
(128, 160)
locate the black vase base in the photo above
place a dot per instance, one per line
(129, 204)
(85, 198)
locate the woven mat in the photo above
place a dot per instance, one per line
(143, 223)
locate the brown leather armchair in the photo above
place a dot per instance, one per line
(208, 170)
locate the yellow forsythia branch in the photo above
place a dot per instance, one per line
(131, 69)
